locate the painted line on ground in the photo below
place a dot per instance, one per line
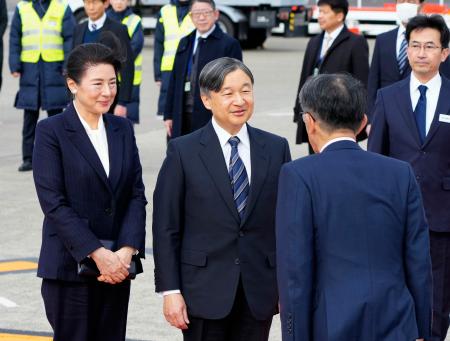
(17, 265)
(23, 335)
(7, 303)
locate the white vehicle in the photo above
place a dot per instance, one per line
(248, 21)
(371, 21)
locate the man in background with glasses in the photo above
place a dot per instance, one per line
(184, 111)
(389, 62)
(411, 122)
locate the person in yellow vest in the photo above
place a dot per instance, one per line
(173, 24)
(40, 40)
(121, 12)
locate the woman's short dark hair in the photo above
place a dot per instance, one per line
(338, 6)
(213, 74)
(211, 2)
(338, 101)
(435, 22)
(84, 56)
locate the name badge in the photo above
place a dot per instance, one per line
(52, 23)
(187, 86)
(444, 118)
(316, 71)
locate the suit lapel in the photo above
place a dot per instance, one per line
(212, 157)
(443, 107)
(79, 38)
(406, 109)
(344, 35)
(260, 166)
(77, 135)
(115, 151)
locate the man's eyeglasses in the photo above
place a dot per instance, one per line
(428, 47)
(197, 15)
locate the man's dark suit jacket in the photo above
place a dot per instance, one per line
(384, 69)
(200, 245)
(127, 70)
(217, 45)
(352, 248)
(394, 133)
(80, 203)
(348, 53)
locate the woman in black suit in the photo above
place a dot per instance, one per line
(88, 179)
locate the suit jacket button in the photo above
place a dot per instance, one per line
(108, 211)
(237, 261)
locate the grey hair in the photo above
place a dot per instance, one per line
(214, 73)
(337, 100)
(211, 2)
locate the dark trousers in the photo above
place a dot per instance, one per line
(440, 260)
(239, 325)
(186, 124)
(30, 118)
(91, 311)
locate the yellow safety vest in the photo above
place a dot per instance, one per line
(131, 22)
(42, 37)
(173, 32)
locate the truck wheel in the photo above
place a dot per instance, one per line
(80, 16)
(255, 38)
(226, 24)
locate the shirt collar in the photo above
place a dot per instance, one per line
(99, 22)
(337, 139)
(433, 83)
(401, 31)
(333, 35)
(224, 135)
(206, 34)
(100, 127)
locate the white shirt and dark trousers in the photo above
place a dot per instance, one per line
(89, 185)
(221, 258)
(411, 122)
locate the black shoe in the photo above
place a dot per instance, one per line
(25, 166)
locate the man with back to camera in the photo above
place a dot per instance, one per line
(214, 215)
(352, 244)
(184, 110)
(411, 122)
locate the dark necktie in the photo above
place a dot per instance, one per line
(420, 112)
(238, 177)
(195, 58)
(402, 55)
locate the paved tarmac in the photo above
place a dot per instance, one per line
(276, 69)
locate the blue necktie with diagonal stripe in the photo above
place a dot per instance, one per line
(402, 55)
(238, 177)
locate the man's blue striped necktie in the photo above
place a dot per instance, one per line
(238, 177)
(402, 55)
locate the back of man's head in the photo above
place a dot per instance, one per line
(337, 101)
(435, 22)
(338, 6)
